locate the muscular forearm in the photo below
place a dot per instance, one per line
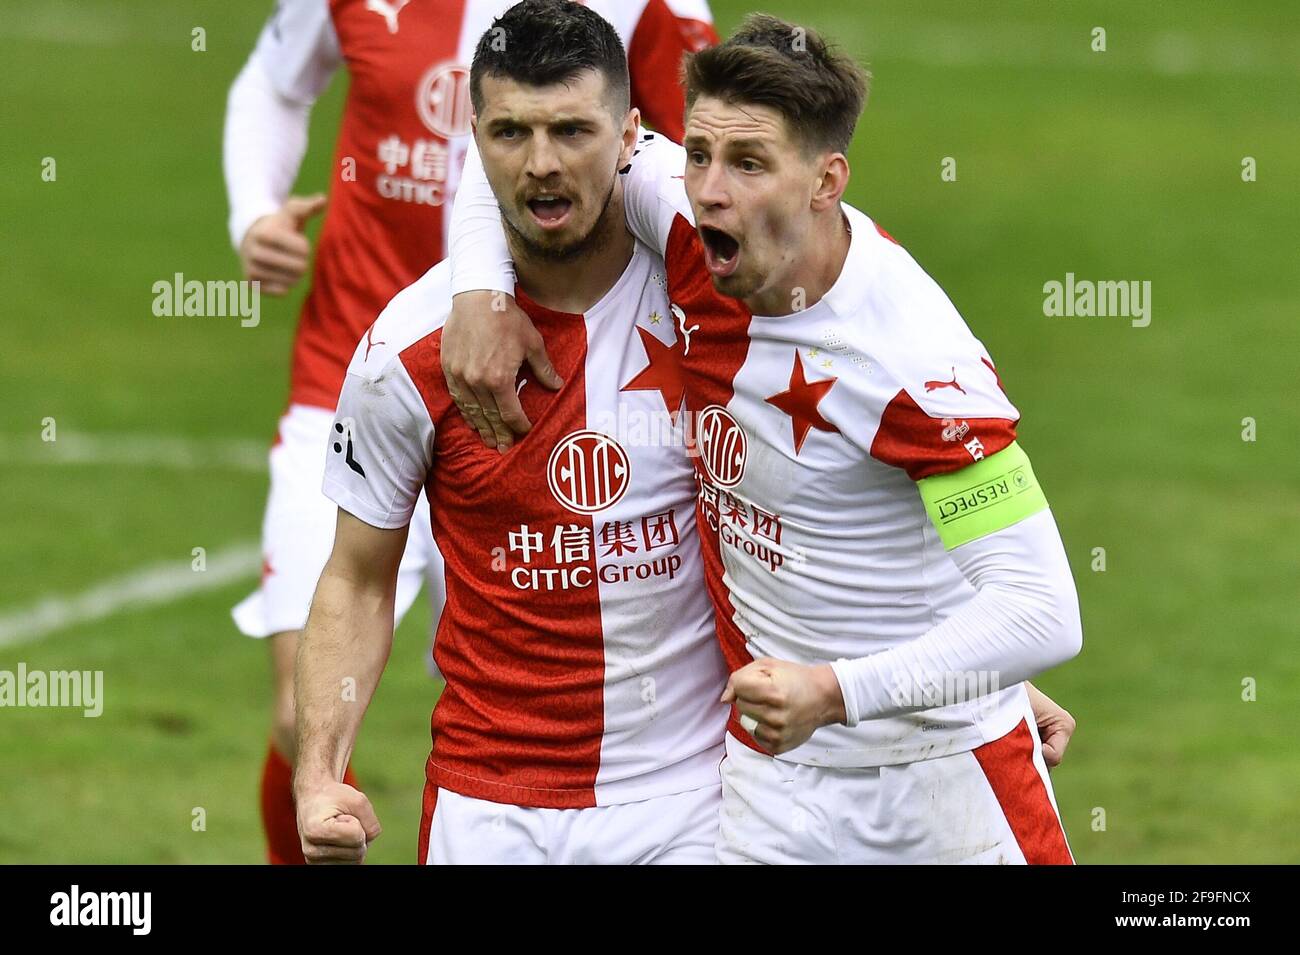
(340, 658)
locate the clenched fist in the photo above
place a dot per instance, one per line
(786, 700)
(335, 823)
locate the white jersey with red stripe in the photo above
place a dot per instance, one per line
(812, 430)
(578, 641)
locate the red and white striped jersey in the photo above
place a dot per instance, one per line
(812, 430)
(403, 137)
(577, 640)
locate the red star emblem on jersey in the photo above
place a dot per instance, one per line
(663, 374)
(800, 402)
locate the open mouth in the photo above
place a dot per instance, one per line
(721, 251)
(549, 210)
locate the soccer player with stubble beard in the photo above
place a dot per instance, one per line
(396, 167)
(881, 558)
(580, 722)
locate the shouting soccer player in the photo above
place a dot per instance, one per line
(884, 566)
(397, 161)
(581, 719)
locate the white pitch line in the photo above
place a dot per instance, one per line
(147, 587)
(143, 450)
(70, 23)
(102, 33)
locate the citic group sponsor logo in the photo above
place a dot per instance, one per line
(588, 472)
(574, 556)
(721, 445)
(744, 526)
(570, 578)
(442, 100)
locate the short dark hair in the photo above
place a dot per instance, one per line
(540, 42)
(770, 62)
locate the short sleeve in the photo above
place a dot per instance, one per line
(380, 444)
(941, 400)
(945, 423)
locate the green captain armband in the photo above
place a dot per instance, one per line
(987, 496)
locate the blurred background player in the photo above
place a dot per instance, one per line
(397, 164)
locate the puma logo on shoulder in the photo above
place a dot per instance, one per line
(387, 10)
(935, 385)
(681, 324)
(370, 342)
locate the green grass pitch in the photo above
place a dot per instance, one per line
(1117, 165)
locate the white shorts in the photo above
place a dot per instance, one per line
(298, 533)
(681, 829)
(992, 805)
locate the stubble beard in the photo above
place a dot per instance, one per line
(577, 250)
